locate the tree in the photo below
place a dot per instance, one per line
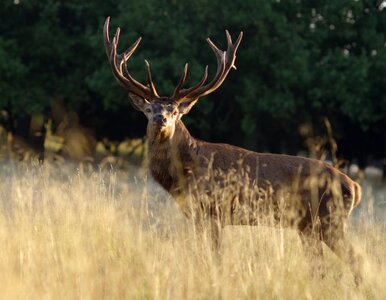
(299, 61)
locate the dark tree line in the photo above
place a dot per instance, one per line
(299, 62)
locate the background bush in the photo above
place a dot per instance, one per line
(299, 61)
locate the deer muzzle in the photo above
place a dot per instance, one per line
(159, 120)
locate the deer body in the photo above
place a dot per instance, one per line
(307, 194)
(178, 162)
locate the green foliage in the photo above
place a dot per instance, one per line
(299, 60)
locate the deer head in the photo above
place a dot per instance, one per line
(163, 112)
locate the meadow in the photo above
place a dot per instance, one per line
(83, 233)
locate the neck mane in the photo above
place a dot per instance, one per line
(170, 156)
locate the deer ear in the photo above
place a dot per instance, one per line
(138, 102)
(185, 107)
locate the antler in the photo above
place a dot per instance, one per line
(118, 61)
(225, 61)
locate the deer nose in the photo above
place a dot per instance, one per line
(159, 120)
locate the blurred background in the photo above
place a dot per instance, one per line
(310, 74)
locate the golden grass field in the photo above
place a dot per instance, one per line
(71, 233)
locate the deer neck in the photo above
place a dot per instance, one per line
(170, 155)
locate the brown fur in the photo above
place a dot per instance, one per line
(172, 156)
(318, 198)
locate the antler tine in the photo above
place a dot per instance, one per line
(184, 95)
(225, 61)
(181, 82)
(216, 50)
(106, 37)
(150, 80)
(130, 51)
(117, 61)
(229, 38)
(232, 48)
(229, 44)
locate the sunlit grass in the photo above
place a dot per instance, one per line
(67, 233)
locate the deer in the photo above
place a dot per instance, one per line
(319, 196)
(79, 142)
(76, 143)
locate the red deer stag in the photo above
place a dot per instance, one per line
(308, 194)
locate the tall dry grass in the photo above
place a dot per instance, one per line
(68, 233)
